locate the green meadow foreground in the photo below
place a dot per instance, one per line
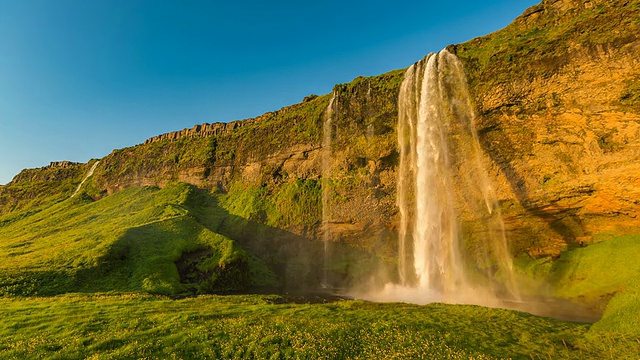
(143, 326)
(84, 278)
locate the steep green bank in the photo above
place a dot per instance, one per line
(604, 274)
(131, 241)
(171, 241)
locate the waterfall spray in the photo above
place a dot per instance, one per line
(444, 194)
(326, 191)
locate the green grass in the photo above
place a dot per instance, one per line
(125, 242)
(603, 270)
(215, 327)
(598, 268)
(622, 316)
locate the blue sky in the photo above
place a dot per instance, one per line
(81, 78)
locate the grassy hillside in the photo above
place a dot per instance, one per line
(247, 327)
(126, 242)
(34, 189)
(605, 273)
(177, 240)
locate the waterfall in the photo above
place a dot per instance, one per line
(91, 170)
(436, 255)
(326, 191)
(445, 196)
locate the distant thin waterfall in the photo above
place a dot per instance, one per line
(406, 188)
(444, 194)
(326, 186)
(93, 168)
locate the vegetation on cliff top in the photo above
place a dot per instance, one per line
(34, 189)
(543, 40)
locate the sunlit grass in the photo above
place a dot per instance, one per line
(138, 326)
(601, 267)
(125, 242)
(622, 316)
(603, 270)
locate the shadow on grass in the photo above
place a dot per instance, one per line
(298, 261)
(149, 253)
(144, 258)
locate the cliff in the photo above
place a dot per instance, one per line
(34, 188)
(557, 95)
(203, 130)
(559, 102)
(268, 160)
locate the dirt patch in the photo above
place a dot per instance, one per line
(187, 266)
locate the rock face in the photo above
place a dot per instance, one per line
(32, 188)
(268, 155)
(558, 100)
(203, 130)
(561, 126)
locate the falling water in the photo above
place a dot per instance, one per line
(444, 194)
(91, 170)
(326, 192)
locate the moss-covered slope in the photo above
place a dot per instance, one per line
(131, 241)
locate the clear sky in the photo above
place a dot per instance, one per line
(80, 78)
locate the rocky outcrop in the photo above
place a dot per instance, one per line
(560, 121)
(33, 188)
(203, 130)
